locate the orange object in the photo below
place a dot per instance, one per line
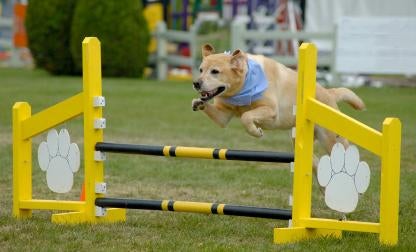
(82, 196)
(19, 35)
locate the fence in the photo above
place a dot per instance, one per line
(6, 23)
(240, 35)
(165, 59)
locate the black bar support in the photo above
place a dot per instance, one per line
(195, 207)
(196, 152)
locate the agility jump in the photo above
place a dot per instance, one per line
(97, 208)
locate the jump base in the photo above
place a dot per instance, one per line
(112, 215)
(295, 234)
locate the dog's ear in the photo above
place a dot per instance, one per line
(238, 59)
(207, 49)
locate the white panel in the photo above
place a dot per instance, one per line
(59, 159)
(376, 45)
(322, 15)
(343, 177)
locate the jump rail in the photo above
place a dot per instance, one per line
(196, 207)
(195, 152)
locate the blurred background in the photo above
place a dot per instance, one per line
(360, 42)
(150, 51)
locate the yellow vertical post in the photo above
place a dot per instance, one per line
(91, 64)
(302, 178)
(22, 161)
(390, 181)
(94, 170)
(302, 184)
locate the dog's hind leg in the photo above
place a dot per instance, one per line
(328, 139)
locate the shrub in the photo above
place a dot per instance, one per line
(122, 30)
(48, 24)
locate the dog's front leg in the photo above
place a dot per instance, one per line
(255, 118)
(219, 114)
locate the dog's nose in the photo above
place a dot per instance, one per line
(197, 84)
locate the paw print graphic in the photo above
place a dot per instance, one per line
(344, 177)
(59, 159)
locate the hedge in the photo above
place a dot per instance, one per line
(48, 24)
(122, 30)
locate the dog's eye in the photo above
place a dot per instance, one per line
(200, 70)
(215, 71)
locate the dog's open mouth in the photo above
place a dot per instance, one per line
(208, 95)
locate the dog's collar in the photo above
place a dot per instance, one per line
(254, 85)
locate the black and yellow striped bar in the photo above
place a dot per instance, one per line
(196, 152)
(195, 207)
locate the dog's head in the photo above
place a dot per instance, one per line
(220, 74)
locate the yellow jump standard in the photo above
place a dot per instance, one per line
(385, 144)
(26, 126)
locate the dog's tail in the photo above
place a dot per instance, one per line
(345, 94)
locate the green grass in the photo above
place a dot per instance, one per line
(151, 112)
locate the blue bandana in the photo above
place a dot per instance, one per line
(254, 85)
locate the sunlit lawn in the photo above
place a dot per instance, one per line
(151, 112)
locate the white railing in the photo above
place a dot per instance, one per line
(163, 58)
(6, 23)
(240, 35)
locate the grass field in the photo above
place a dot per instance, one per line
(150, 112)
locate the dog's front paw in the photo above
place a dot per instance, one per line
(257, 132)
(261, 133)
(198, 104)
